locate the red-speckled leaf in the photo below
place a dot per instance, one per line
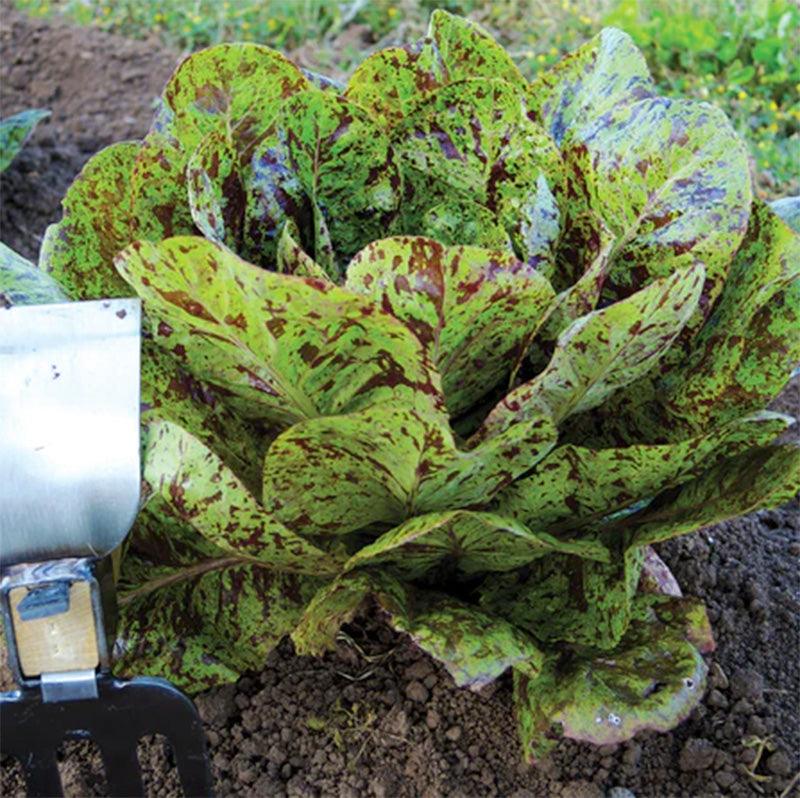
(475, 309)
(21, 283)
(229, 86)
(439, 544)
(566, 598)
(327, 164)
(670, 180)
(387, 463)
(472, 141)
(247, 331)
(390, 82)
(762, 477)
(604, 351)
(574, 485)
(606, 72)
(204, 624)
(293, 259)
(79, 250)
(204, 492)
(651, 681)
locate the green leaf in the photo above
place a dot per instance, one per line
(293, 259)
(387, 463)
(21, 283)
(606, 72)
(79, 250)
(204, 624)
(15, 131)
(472, 141)
(670, 180)
(392, 81)
(247, 331)
(437, 544)
(475, 309)
(788, 209)
(762, 477)
(605, 350)
(745, 354)
(228, 86)
(565, 598)
(465, 222)
(651, 681)
(573, 484)
(325, 155)
(201, 490)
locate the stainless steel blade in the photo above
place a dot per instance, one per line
(69, 428)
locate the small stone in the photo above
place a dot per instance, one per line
(717, 700)
(725, 778)
(794, 549)
(217, 706)
(286, 772)
(417, 691)
(756, 726)
(248, 776)
(779, 764)
(742, 707)
(432, 719)
(242, 701)
(277, 755)
(419, 670)
(697, 754)
(717, 677)
(747, 683)
(453, 733)
(620, 792)
(581, 789)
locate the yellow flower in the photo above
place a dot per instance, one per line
(585, 20)
(554, 51)
(541, 58)
(159, 17)
(720, 90)
(742, 95)
(773, 128)
(271, 24)
(245, 25)
(392, 12)
(773, 106)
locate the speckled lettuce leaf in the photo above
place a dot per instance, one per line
(765, 476)
(325, 155)
(574, 485)
(651, 681)
(15, 131)
(437, 545)
(21, 283)
(605, 350)
(746, 352)
(566, 598)
(475, 647)
(247, 331)
(228, 86)
(79, 250)
(464, 222)
(386, 463)
(204, 624)
(606, 72)
(475, 309)
(392, 81)
(293, 259)
(473, 141)
(205, 493)
(670, 180)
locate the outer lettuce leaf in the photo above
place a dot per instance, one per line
(475, 309)
(293, 259)
(437, 544)
(201, 490)
(213, 306)
(604, 351)
(204, 624)
(474, 647)
(21, 283)
(652, 680)
(387, 463)
(669, 178)
(573, 484)
(606, 72)
(15, 131)
(79, 250)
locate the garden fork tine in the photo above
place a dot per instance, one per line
(69, 493)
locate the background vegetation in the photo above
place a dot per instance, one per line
(741, 54)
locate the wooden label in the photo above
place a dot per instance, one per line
(63, 642)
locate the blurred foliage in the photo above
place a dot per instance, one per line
(739, 54)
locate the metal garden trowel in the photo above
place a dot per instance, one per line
(69, 493)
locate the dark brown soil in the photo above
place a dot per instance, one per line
(376, 718)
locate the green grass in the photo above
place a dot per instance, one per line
(739, 54)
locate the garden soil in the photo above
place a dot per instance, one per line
(377, 718)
